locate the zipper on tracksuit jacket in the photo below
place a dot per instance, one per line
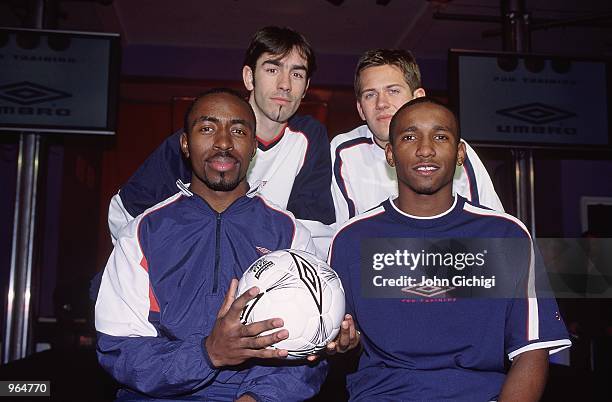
(217, 254)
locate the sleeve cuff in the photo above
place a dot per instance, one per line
(552, 346)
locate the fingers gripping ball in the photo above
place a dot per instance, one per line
(302, 290)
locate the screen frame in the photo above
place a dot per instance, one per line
(113, 68)
(454, 56)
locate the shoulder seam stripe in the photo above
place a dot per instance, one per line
(498, 214)
(337, 168)
(471, 177)
(532, 319)
(307, 146)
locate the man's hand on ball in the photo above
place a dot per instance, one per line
(231, 343)
(347, 339)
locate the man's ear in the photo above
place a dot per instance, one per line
(461, 155)
(419, 92)
(184, 145)
(360, 110)
(248, 79)
(389, 154)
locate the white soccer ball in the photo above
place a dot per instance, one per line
(302, 290)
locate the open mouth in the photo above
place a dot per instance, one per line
(426, 169)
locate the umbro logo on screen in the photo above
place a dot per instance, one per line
(29, 93)
(536, 113)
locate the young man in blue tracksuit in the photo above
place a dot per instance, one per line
(168, 324)
(442, 348)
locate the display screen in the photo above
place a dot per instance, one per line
(58, 81)
(530, 100)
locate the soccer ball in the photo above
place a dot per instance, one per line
(302, 290)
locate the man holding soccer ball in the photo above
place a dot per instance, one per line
(167, 318)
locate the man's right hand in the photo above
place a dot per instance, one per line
(231, 342)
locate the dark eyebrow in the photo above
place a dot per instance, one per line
(213, 119)
(277, 63)
(397, 132)
(204, 118)
(208, 118)
(274, 62)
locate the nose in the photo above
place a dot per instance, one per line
(382, 101)
(223, 140)
(284, 81)
(425, 148)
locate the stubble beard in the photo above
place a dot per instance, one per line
(424, 189)
(222, 184)
(429, 188)
(278, 115)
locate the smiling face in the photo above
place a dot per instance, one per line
(383, 91)
(425, 149)
(220, 144)
(277, 85)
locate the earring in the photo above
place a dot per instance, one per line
(459, 162)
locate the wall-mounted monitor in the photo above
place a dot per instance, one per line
(531, 100)
(58, 81)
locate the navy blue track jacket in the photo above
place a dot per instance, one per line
(163, 286)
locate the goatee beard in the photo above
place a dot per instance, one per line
(222, 184)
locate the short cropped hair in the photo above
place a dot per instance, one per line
(417, 101)
(187, 126)
(399, 58)
(279, 41)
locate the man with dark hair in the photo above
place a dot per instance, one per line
(426, 99)
(443, 348)
(165, 329)
(385, 79)
(291, 166)
(280, 42)
(188, 120)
